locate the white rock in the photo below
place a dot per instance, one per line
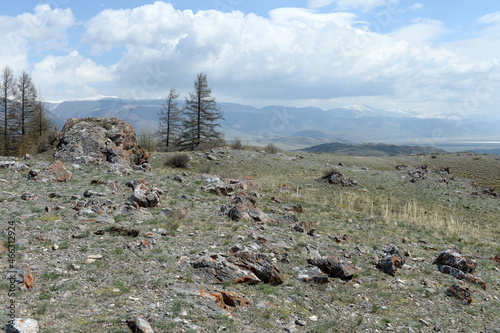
(22, 326)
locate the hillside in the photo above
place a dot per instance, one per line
(369, 149)
(245, 241)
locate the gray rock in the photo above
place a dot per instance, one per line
(21, 325)
(139, 325)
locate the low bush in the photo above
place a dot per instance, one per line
(180, 161)
(271, 149)
(237, 144)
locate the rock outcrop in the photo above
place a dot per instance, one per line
(238, 266)
(392, 260)
(99, 140)
(458, 266)
(336, 178)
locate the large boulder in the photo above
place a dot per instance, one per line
(99, 140)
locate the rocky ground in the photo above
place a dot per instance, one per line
(245, 241)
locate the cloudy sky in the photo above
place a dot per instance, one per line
(429, 56)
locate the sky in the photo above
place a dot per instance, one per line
(432, 57)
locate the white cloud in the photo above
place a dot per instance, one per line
(319, 3)
(296, 54)
(490, 18)
(365, 5)
(69, 75)
(42, 29)
(422, 31)
(482, 44)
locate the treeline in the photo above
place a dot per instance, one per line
(193, 126)
(25, 127)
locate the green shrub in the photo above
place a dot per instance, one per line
(271, 149)
(178, 161)
(237, 144)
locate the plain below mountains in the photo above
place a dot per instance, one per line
(371, 149)
(297, 128)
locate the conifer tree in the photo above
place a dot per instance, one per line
(201, 116)
(170, 121)
(7, 87)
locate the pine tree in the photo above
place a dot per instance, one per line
(25, 124)
(7, 101)
(201, 116)
(27, 102)
(43, 131)
(170, 121)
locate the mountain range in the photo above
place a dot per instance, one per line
(297, 128)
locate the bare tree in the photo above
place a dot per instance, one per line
(202, 116)
(7, 107)
(27, 102)
(170, 120)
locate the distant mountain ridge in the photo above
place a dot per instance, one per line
(296, 127)
(371, 149)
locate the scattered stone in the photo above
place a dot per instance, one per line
(486, 192)
(28, 196)
(211, 157)
(260, 265)
(300, 322)
(339, 238)
(392, 260)
(144, 197)
(135, 214)
(288, 219)
(92, 258)
(225, 299)
(139, 325)
(286, 189)
(244, 209)
(55, 172)
(312, 233)
(401, 167)
(336, 178)
(90, 194)
(217, 186)
(21, 325)
(14, 166)
(22, 276)
(334, 267)
(217, 269)
(304, 226)
(313, 275)
(93, 206)
(277, 199)
(461, 292)
(297, 208)
(177, 213)
(313, 318)
(459, 266)
(247, 183)
(451, 258)
(238, 267)
(418, 174)
(178, 179)
(3, 248)
(124, 231)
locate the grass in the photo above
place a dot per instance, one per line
(383, 209)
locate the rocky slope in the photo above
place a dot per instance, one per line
(244, 241)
